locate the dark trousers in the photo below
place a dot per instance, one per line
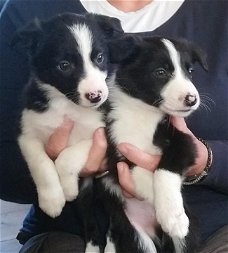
(57, 242)
(54, 242)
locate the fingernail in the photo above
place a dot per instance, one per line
(123, 148)
(100, 132)
(68, 123)
(120, 166)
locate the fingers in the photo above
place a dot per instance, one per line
(126, 181)
(139, 157)
(125, 178)
(59, 139)
(180, 124)
(96, 158)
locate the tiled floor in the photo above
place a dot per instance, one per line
(11, 219)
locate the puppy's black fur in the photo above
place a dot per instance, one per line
(145, 71)
(144, 75)
(70, 74)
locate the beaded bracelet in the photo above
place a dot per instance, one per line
(196, 178)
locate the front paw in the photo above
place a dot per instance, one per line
(70, 187)
(51, 201)
(68, 177)
(173, 221)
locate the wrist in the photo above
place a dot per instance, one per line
(203, 164)
(202, 157)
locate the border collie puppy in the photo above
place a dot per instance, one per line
(153, 84)
(70, 74)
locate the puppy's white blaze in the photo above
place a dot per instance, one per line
(178, 87)
(94, 79)
(174, 56)
(84, 39)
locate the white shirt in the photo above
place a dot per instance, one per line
(146, 19)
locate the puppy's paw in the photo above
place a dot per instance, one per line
(68, 177)
(70, 187)
(174, 222)
(51, 201)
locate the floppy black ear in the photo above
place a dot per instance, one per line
(110, 26)
(197, 54)
(28, 36)
(123, 48)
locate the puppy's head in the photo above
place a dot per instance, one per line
(160, 74)
(69, 52)
(179, 96)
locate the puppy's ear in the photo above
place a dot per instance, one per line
(198, 55)
(28, 36)
(110, 26)
(122, 49)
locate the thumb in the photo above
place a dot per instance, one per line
(180, 124)
(59, 139)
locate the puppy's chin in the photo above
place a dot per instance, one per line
(185, 112)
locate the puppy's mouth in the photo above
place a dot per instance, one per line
(93, 103)
(177, 112)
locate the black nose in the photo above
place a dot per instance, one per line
(190, 100)
(94, 97)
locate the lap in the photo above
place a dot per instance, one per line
(217, 243)
(68, 243)
(50, 242)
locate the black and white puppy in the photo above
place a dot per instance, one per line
(70, 74)
(153, 84)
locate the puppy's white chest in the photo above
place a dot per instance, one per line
(134, 122)
(44, 124)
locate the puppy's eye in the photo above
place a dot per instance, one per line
(160, 73)
(190, 70)
(64, 66)
(99, 58)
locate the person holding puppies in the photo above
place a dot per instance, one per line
(206, 190)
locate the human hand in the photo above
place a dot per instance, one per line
(139, 157)
(96, 159)
(202, 153)
(151, 162)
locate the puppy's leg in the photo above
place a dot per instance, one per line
(69, 164)
(90, 248)
(143, 180)
(110, 247)
(50, 194)
(168, 203)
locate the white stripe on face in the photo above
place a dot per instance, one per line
(84, 39)
(174, 56)
(179, 86)
(94, 79)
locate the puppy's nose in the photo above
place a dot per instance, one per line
(94, 97)
(190, 100)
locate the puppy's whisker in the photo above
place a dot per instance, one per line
(205, 106)
(207, 99)
(157, 102)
